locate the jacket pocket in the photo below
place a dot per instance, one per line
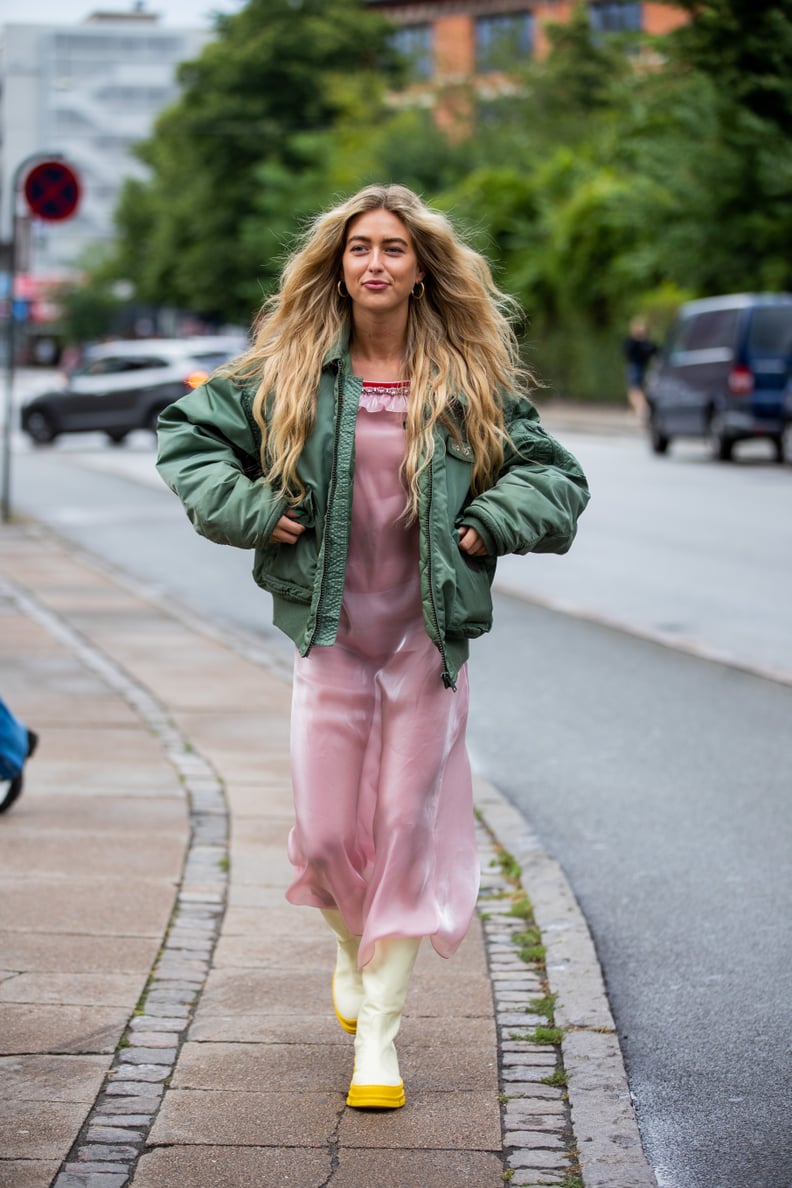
(288, 570)
(469, 598)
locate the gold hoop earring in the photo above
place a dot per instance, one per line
(341, 289)
(418, 290)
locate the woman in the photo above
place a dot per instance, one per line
(373, 448)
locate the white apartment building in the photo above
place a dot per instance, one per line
(89, 92)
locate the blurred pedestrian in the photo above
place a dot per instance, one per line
(638, 350)
(376, 447)
(17, 744)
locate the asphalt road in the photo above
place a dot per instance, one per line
(660, 780)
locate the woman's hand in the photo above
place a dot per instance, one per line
(288, 529)
(470, 542)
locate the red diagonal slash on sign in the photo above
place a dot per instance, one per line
(52, 190)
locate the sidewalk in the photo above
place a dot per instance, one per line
(165, 1017)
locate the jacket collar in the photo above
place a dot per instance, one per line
(339, 351)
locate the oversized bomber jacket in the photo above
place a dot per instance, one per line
(209, 454)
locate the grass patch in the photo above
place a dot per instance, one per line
(558, 1079)
(572, 1180)
(529, 945)
(544, 1006)
(551, 1036)
(522, 907)
(510, 867)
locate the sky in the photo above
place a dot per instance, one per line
(188, 13)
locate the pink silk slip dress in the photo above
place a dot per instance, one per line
(383, 796)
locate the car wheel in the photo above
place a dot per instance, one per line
(117, 435)
(778, 446)
(151, 420)
(659, 441)
(722, 445)
(40, 426)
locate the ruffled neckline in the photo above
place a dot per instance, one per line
(385, 397)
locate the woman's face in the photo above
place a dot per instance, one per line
(379, 263)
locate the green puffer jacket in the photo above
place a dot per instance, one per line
(209, 455)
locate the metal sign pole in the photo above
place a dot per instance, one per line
(10, 359)
(8, 420)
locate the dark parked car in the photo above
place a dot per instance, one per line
(723, 372)
(125, 385)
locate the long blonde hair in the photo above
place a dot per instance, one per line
(461, 353)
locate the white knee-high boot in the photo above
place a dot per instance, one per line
(347, 978)
(376, 1081)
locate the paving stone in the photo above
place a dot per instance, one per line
(537, 1107)
(118, 1152)
(91, 1179)
(52, 1078)
(108, 1104)
(532, 1139)
(96, 1166)
(170, 997)
(450, 1120)
(168, 1011)
(27, 1173)
(163, 1023)
(113, 1134)
(122, 1119)
(42, 951)
(534, 1090)
(540, 1158)
(534, 1178)
(233, 1167)
(387, 1168)
(66, 1030)
(156, 1039)
(157, 1055)
(128, 1088)
(39, 1129)
(247, 1119)
(142, 1072)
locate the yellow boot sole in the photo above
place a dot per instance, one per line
(376, 1097)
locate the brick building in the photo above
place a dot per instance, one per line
(451, 41)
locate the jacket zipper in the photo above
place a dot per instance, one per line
(330, 499)
(446, 675)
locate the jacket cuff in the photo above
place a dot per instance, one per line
(473, 521)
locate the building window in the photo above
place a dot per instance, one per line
(503, 42)
(613, 16)
(414, 42)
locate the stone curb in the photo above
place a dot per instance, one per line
(603, 1120)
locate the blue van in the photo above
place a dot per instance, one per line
(723, 373)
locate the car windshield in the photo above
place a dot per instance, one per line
(770, 332)
(114, 364)
(209, 360)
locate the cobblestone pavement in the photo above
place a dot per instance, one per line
(165, 1015)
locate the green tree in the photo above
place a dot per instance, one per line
(276, 71)
(745, 47)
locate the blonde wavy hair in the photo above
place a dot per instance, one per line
(461, 352)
